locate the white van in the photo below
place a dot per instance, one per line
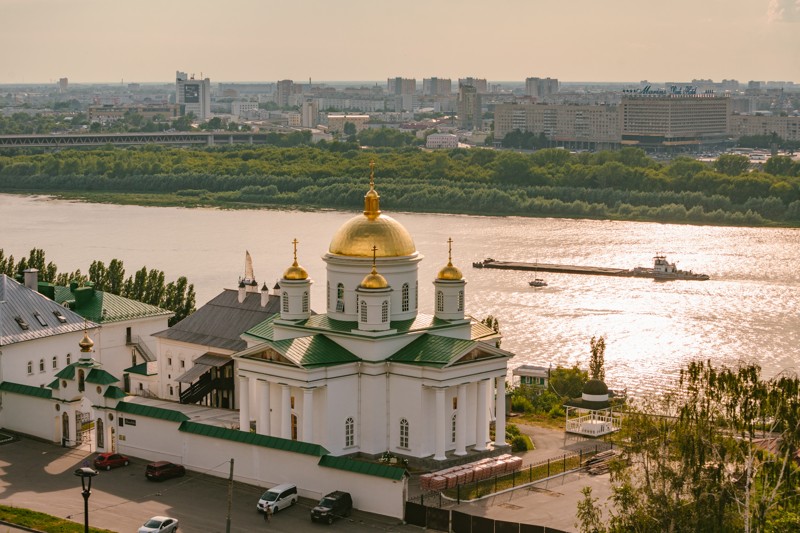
(278, 497)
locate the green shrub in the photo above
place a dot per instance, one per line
(519, 444)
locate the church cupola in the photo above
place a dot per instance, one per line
(449, 289)
(295, 287)
(87, 347)
(373, 300)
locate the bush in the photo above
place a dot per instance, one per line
(521, 404)
(519, 444)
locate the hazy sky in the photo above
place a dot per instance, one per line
(501, 40)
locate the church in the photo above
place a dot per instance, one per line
(373, 374)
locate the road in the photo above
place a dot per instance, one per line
(39, 476)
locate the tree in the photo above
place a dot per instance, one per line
(732, 164)
(568, 382)
(349, 129)
(491, 321)
(597, 361)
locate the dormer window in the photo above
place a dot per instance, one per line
(21, 321)
(61, 318)
(39, 318)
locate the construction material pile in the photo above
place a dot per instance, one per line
(467, 473)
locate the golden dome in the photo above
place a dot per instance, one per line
(450, 272)
(86, 343)
(373, 280)
(295, 272)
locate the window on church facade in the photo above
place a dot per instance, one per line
(460, 300)
(285, 302)
(294, 427)
(340, 298)
(30, 367)
(405, 297)
(349, 432)
(305, 301)
(439, 301)
(404, 433)
(81, 380)
(55, 362)
(363, 311)
(41, 365)
(453, 429)
(69, 358)
(385, 312)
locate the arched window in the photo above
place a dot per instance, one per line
(55, 362)
(349, 432)
(81, 380)
(363, 311)
(340, 298)
(69, 358)
(405, 297)
(439, 301)
(305, 301)
(328, 296)
(294, 427)
(285, 302)
(30, 367)
(41, 365)
(460, 300)
(385, 311)
(403, 433)
(453, 428)
(101, 441)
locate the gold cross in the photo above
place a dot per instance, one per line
(374, 251)
(295, 242)
(450, 250)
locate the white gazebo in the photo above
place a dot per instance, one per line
(592, 415)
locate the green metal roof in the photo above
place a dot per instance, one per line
(262, 330)
(362, 467)
(152, 412)
(27, 390)
(254, 439)
(144, 369)
(104, 307)
(68, 372)
(433, 350)
(55, 384)
(310, 352)
(114, 393)
(324, 324)
(100, 377)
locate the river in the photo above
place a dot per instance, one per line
(748, 310)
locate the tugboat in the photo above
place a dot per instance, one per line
(537, 282)
(663, 270)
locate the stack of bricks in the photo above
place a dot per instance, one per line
(477, 471)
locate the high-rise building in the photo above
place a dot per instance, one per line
(469, 108)
(436, 86)
(540, 87)
(63, 84)
(283, 90)
(480, 84)
(310, 113)
(401, 85)
(194, 95)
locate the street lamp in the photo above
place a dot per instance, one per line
(86, 474)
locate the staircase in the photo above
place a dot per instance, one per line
(198, 390)
(141, 349)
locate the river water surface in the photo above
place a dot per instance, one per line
(747, 311)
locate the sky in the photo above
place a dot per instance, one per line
(96, 41)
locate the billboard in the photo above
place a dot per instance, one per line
(191, 93)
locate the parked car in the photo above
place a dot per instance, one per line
(278, 497)
(160, 524)
(107, 461)
(335, 505)
(163, 470)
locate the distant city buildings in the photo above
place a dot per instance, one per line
(469, 107)
(401, 86)
(441, 140)
(63, 84)
(336, 122)
(105, 114)
(283, 90)
(436, 87)
(540, 87)
(194, 95)
(480, 84)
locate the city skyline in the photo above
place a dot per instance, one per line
(90, 41)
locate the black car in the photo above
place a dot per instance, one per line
(163, 470)
(335, 505)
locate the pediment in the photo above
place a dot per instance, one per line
(271, 355)
(475, 354)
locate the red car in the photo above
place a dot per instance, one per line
(163, 470)
(107, 461)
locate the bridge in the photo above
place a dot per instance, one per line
(67, 140)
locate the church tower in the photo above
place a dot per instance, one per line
(372, 298)
(295, 290)
(449, 289)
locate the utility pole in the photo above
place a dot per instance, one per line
(230, 499)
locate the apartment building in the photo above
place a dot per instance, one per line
(582, 126)
(673, 120)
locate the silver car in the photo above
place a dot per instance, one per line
(160, 524)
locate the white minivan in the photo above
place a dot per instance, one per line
(278, 497)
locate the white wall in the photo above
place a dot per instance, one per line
(32, 416)
(14, 358)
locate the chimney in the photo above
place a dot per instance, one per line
(242, 291)
(264, 295)
(31, 278)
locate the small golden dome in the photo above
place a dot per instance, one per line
(86, 343)
(295, 272)
(373, 280)
(450, 272)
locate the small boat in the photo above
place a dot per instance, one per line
(537, 282)
(664, 271)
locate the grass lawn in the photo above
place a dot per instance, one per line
(42, 522)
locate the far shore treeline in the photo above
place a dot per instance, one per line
(624, 185)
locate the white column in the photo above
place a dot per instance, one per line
(500, 412)
(461, 421)
(308, 410)
(440, 426)
(262, 421)
(244, 403)
(482, 428)
(286, 412)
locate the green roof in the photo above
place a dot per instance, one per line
(306, 352)
(115, 393)
(152, 412)
(68, 372)
(100, 377)
(325, 324)
(262, 330)
(433, 350)
(254, 439)
(27, 390)
(104, 307)
(362, 467)
(144, 369)
(55, 384)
